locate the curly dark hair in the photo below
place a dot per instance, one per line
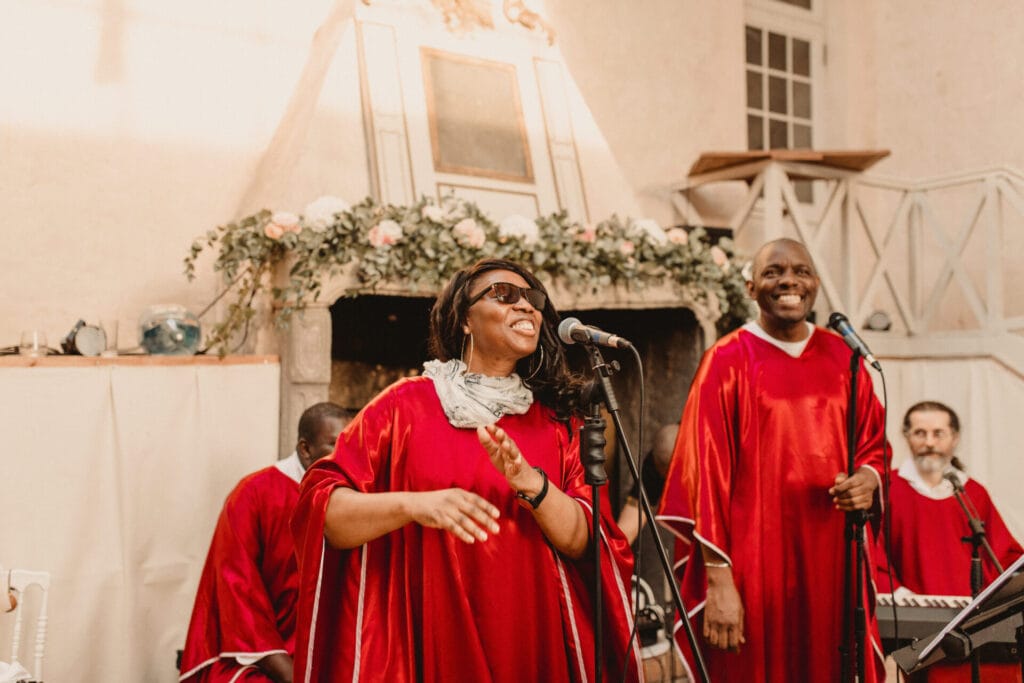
(553, 385)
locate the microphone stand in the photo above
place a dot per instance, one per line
(593, 457)
(978, 539)
(854, 616)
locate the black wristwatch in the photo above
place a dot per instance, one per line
(539, 498)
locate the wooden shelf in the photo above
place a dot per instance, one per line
(95, 361)
(853, 160)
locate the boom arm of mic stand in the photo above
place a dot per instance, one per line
(601, 373)
(978, 535)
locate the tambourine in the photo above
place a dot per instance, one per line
(84, 340)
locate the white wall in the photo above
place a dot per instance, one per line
(130, 127)
(664, 80)
(949, 85)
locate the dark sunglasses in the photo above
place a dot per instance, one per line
(508, 293)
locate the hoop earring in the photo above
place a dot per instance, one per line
(463, 357)
(540, 364)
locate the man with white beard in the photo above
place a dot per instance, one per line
(929, 554)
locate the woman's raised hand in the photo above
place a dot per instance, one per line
(505, 456)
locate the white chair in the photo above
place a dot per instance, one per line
(20, 581)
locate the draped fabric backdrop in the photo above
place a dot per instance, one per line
(111, 479)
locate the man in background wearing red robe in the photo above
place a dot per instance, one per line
(928, 525)
(757, 488)
(243, 621)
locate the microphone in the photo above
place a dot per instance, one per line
(571, 330)
(950, 475)
(839, 322)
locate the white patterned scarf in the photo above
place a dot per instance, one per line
(472, 400)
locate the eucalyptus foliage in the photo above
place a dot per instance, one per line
(418, 247)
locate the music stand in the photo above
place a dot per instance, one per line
(995, 615)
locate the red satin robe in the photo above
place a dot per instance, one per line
(245, 604)
(762, 438)
(928, 557)
(418, 604)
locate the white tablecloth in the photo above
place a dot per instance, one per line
(111, 478)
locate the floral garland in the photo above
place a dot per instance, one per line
(423, 244)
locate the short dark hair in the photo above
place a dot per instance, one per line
(315, 415)
(932, 406)
(552, 384)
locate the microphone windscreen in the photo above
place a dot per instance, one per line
(835, 320)
(565, 329)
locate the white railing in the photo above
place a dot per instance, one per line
(941, 257)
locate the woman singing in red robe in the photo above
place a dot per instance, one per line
(447, 537)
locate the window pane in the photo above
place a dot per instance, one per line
(777, 94)
(802, 100)
(777, 136)
(805, 4)
(753, 45)
(801, 57)
(755, 90)
(801, 136)
(755, 132)
(777, 51)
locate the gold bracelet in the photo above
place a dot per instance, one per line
(716, 565)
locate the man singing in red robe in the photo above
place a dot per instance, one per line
(243, 621)
(928, 525)
(758, 479)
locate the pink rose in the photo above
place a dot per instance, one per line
(588, 234)
(720, 258)
(468, 233)
(273, 231)
(385, 233)
(677, 236)
(287, 221)
(627, 248)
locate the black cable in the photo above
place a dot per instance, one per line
(887, 512)
(635, 633)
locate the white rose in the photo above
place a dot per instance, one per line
(433, 213)
(652, 229)
(321, 212)
(385, 233)
(520, 227)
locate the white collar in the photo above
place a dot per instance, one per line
(793, 349)
(291, 467)
(941, 491)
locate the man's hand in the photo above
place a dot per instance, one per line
(854, 492)
(277, 667)
(723, 611)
